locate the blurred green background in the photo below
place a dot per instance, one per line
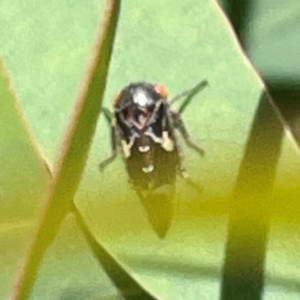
(45, 48)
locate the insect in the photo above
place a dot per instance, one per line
(146, 128)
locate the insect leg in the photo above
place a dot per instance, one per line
(179, 124)
(183, 172)
(189, 94)
(107, 114)
(109, 117)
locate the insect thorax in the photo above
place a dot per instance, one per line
(146, 134)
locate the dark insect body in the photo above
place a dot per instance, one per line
(146, 128)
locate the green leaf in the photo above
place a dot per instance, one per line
(73, 154)
(177, 44)
(23, 181)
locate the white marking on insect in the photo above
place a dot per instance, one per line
(144, 148)
(148, 169)
(167, 143)
(126, 148)
(141, 98)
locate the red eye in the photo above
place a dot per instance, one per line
(116, 99)
(159, 89)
